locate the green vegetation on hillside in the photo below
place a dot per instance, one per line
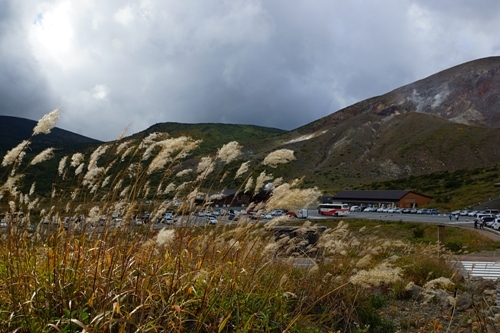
(214, 135)
(450, 190)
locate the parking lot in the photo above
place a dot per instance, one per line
(312, 215)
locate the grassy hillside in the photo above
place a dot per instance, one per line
(214, 136)
(450, 190)
(367, 154)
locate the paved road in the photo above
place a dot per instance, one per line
(412, 217)
(463, 220)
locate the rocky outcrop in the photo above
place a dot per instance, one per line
(472, 305)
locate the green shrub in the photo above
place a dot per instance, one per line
(369, 315)
(418, 233)
(454, 247)
(430, 264)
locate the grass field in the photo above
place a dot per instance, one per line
(58, 274)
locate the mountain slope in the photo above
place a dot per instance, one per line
(14, 130)
(466, 94)
(214, 135)
(448, 121)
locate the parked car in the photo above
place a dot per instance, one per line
(219, 211)
(487, 220)
(354, 209)
(464, 212)
(480, 216)
(433, 212)
(474, 212)
(274, 213)
(496, 224)
(279, 212)
(406, 210)
(212, 219)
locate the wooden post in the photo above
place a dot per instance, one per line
(441, 242)
(441, 234)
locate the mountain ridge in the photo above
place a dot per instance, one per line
(447, 121)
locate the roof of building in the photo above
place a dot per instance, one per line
(373, 195)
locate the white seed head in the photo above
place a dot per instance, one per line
(280, 156)
(79, 170)
(16, 154)
(45, 155)
(32, 188)
(62, 165)
(249, 185)
(261, 179)
(184, 172)
(76, 159)
(47, 123)
(165, 237)
(229, 152)
(122, 134)
(242, 170)
(170, 188)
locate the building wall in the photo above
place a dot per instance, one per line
(413, 200)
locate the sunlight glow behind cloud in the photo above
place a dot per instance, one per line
(268, 63)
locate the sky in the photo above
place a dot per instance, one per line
(274, 63)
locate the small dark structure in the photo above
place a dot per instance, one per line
(233, 198)
(399, 198)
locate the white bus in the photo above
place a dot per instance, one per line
(333, 209)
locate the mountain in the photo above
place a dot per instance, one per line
(214, 135)
(14, 130)
(447, 121)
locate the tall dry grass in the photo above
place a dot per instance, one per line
(69, 266)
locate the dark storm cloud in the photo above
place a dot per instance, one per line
(23, 89)
(270, 63)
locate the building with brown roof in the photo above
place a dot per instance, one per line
(399, 198)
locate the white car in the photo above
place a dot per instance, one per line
(474, 212)
(276, 212)
(212, 220)
(496, 224)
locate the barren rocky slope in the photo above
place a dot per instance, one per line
(448, 121)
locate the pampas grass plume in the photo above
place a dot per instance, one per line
(47, 123)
